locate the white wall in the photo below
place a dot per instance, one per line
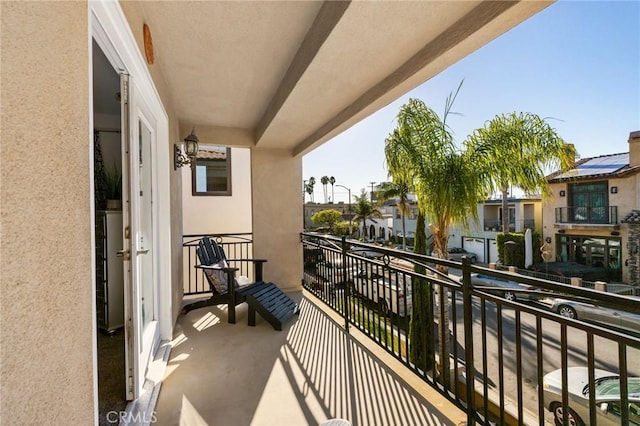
(220, 214)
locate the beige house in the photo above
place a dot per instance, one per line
(276, 79)
(480, 237)
(590, 217)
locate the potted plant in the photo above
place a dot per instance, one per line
(113, 188)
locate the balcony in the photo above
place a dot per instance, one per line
(605, 215)
(312, 371)
(348, 354)
(496, 225)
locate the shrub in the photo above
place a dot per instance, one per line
(515, 256)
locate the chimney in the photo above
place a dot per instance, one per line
(634, 148)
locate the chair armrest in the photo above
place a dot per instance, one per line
(221, 268)
(258, 263)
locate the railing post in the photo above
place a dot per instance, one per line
(600, 286)
(347, 286)
(467, 289)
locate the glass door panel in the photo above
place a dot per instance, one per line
(598, 207)
(145, 235)
(140, 233)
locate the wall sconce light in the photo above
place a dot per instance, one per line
(615, 233)
(190, 148)
(562, 193)
(614, 189)
(561, 231)
(548, 240)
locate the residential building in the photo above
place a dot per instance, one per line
(480, 237)
(311, 208)
(589, 218)
(277, 79)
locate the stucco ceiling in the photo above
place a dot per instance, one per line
(292, 74)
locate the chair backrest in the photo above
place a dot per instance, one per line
(209, 252)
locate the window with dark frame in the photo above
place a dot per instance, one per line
(211, 173)
(588, 202)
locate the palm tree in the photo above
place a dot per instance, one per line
(309, 188)
(324, 180)
(400, 188)
(332, 181)
(446, 187)
(518, 149)
(364, 210)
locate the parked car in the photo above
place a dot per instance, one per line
(608, 316)
(510, 290)
(389, 295)
(456, 253)
(331, 270)
(607, 397)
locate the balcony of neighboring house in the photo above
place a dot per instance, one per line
(587, 215)
(349, 354)
(494, 225)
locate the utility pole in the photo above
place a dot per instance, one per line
(304, 192)
(349, 208)
(372, 183)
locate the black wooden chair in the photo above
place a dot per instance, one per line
(265, 298)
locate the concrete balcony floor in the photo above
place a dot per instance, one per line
(311, 371)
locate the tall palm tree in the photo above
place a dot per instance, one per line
(518, 149)
(446, 187)
(332, 181)
(324, 180)
(310, 185)
(400, 187)
(364, 210)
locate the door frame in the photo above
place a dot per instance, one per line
(111, 31)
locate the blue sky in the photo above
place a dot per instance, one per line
(576, 61)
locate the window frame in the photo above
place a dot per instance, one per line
(227, 192)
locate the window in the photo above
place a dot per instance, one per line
(588, 202)
(211, 174)
(512, 215)
(596, 252)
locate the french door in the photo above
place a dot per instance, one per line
(140, 228)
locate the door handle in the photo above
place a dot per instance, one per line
(125, 254)
(145, 251)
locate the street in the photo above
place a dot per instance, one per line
(605, 352)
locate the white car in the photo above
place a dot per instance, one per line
(588, 312)
(389, 295)
(510, 290)
(607, 397)
(332, 272)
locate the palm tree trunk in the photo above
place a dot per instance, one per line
(442, 299)
(404, 233)
(505, 210)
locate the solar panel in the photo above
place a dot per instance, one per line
(599, 166)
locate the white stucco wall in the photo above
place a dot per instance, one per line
(278, 215)
(220, 214)
(46, 299)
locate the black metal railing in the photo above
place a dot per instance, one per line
(496, 225)
(606, 215)
(618, 288)
(236, 246)
(494, 358)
